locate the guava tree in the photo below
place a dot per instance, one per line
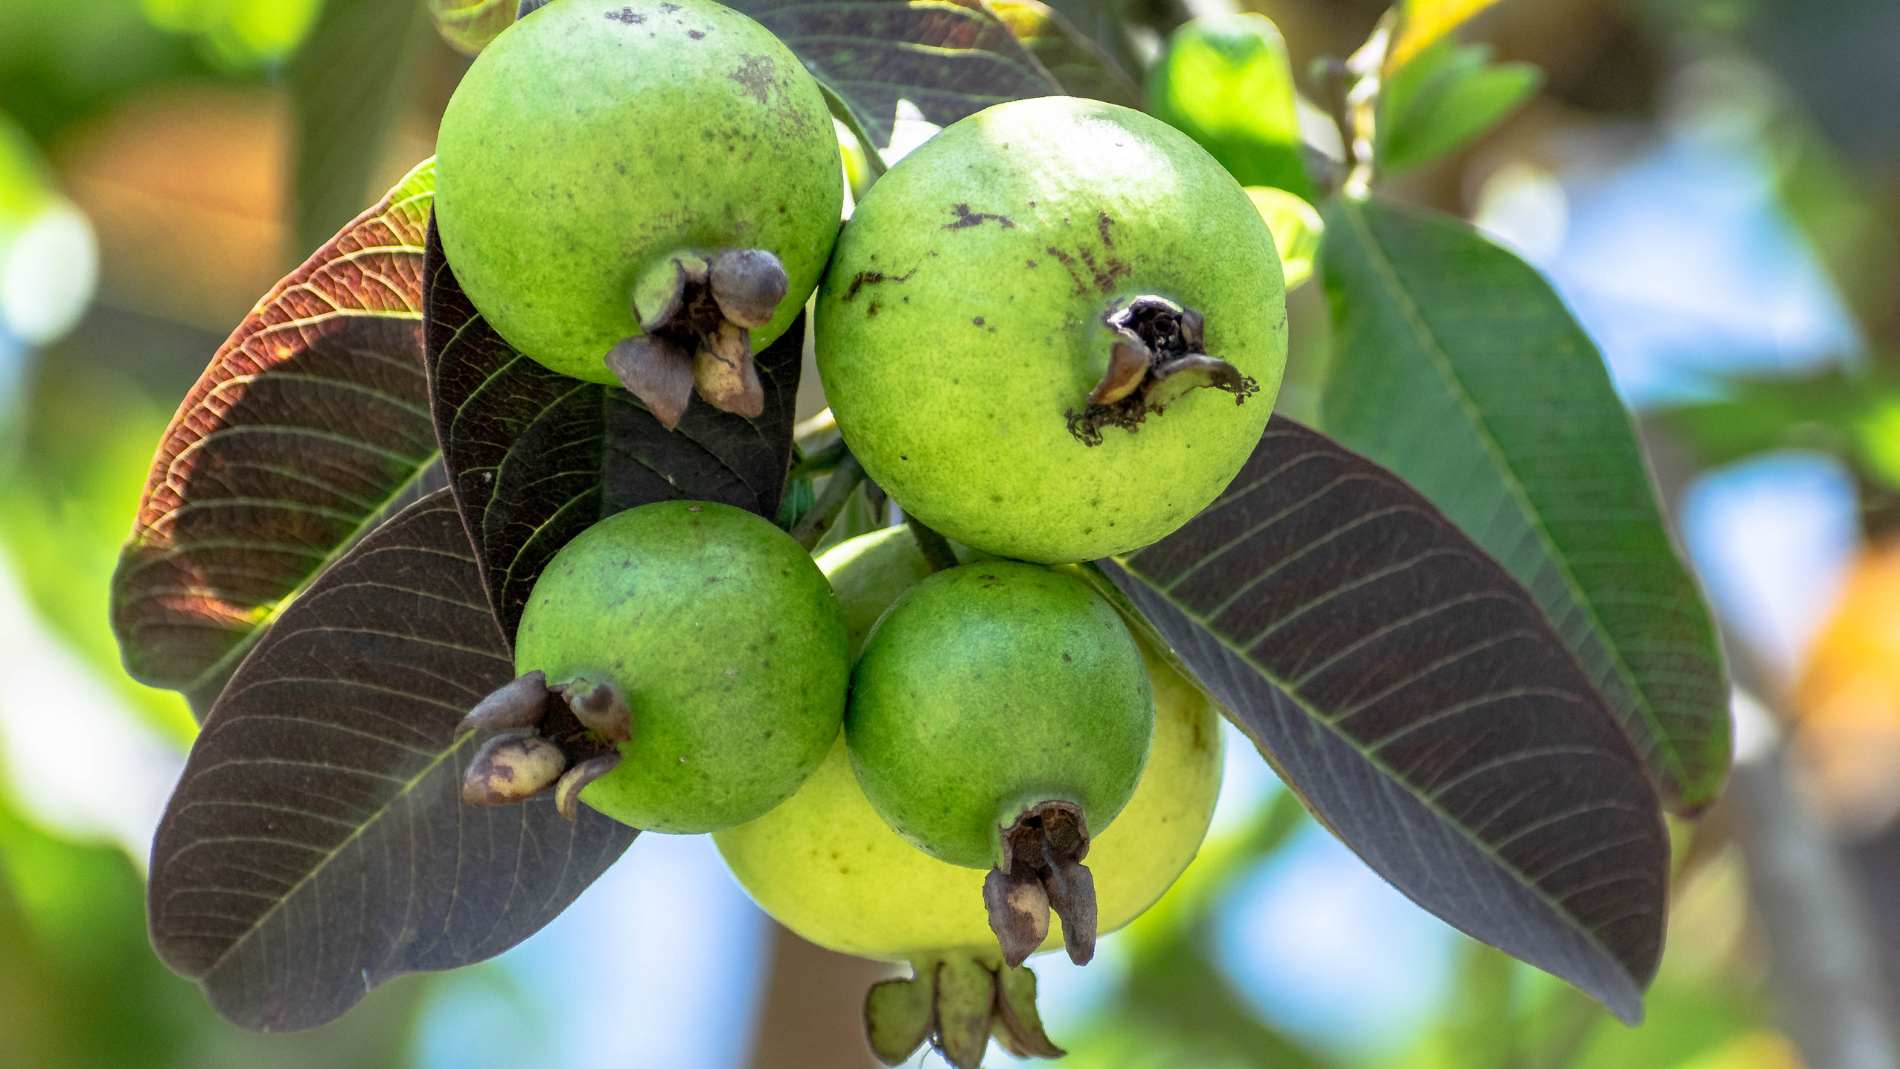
(484, 542)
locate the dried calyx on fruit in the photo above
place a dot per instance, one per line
(1158, 354)
(640, 192)
(682, 669)
(956, 1004)
(942, 735)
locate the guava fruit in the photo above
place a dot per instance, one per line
(640, 191)
(999, 718)
(700, 651)
(1019, 315)
(827, 866)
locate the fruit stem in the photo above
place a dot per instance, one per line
(843, 482)
(935, 547)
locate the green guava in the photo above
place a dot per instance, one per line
(717, 641)
(640, 191)
(827, 866)
(1019, 317)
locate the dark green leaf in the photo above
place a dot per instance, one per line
(317, 844)
(1411, 692)
(310, 422)
(348, 84)
(1456, 366)
(1227, 82)
(949, 58)
(1447, 97)
(536, 458)
(1076, 61)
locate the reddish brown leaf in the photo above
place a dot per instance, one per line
(311, 422)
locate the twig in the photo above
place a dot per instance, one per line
(824, 512)
(935, 546)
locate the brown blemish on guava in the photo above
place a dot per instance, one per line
(966, 218)
(697, 35)
(755, 77)
(874, 278)
(1089, 274)
(626, 16)
(1102, 224)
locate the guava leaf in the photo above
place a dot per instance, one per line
(1076, 62)
(948, 58)
(1446, 97)
(468, 25)
(536, 457)
(317, 844)
(1227, 82)
(1852, 414)
(342, 123)
(312, 419)
(1458, 367)
(1429, 21)
(1411, 692)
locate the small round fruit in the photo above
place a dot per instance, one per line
(988, 690)
(723, 641)
(601, 155)
(1016, 299)
(825, 865)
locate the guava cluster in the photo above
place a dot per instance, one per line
(1053, 334)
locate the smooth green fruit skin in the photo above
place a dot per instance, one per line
(596, 138)
(825, 865)
(960, 322)
(726, 641)
(987, 689)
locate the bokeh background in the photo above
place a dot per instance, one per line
(1714, 185)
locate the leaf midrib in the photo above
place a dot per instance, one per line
(1664, 740)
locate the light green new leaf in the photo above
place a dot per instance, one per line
(1296, 227)
(1428, 22)
(469, 25)
(1226, 81)
(1447, 97)
(1457, 366)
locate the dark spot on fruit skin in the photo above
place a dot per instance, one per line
(875, 278)
(626, 16)
(977, 322)
(755, 77)
(965, 218)
(697, 35)
(1031, 264)
(1102, 223)
(871, 312)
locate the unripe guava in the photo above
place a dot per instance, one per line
(825, 865)
(1017, 316)
(990, 688)
(720, 640)
(659, 174)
